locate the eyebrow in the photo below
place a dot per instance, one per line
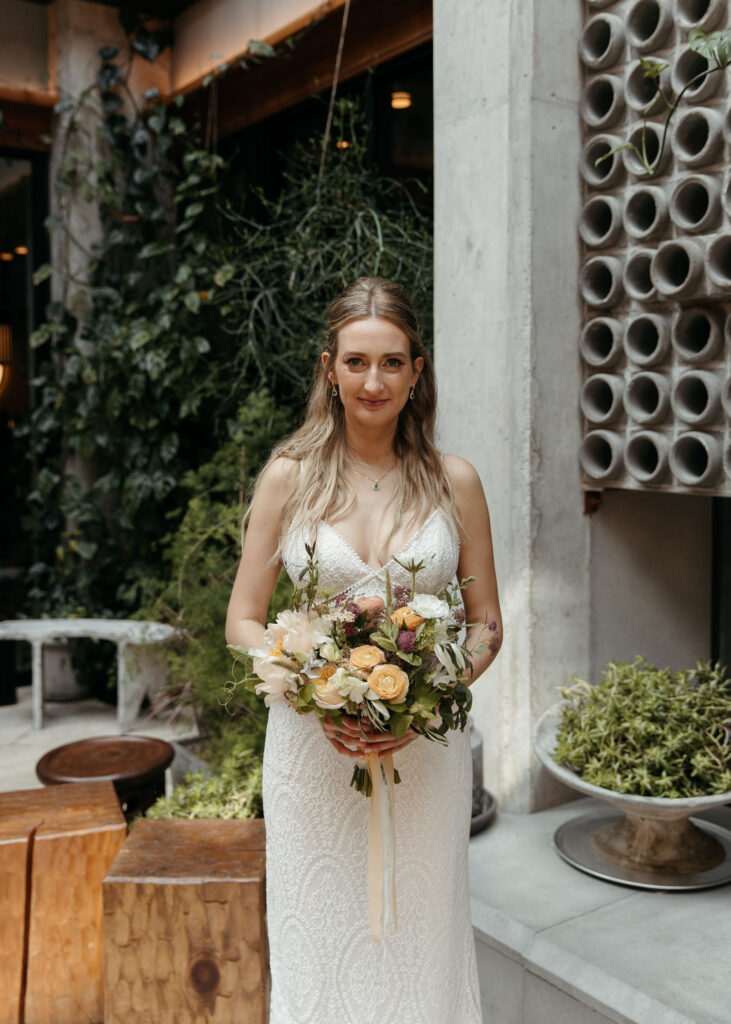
(386, 355)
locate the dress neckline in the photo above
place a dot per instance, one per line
(402, 549)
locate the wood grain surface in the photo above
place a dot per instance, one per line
(185, 926)
(69, 835)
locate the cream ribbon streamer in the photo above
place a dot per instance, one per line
(381, 846)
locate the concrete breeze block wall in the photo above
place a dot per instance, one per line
(655, 278)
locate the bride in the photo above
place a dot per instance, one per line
(362, 478)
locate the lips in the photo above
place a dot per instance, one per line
(373, 404)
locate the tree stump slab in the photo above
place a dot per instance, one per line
(55, 848)
(185, 924)
(135, 764)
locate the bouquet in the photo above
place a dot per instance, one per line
(395, 664)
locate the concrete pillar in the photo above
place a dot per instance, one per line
(507, 199)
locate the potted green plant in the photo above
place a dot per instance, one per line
(655, 744)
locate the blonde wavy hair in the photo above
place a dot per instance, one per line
(321, 491)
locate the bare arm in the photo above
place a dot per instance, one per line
(256, 577)
(482, 605)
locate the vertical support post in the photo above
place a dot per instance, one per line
(37, 682)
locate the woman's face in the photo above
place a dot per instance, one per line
(372, 369)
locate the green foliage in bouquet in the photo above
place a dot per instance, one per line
(234, 791)
(649, 731)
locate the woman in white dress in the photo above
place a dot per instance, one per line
(364, 480)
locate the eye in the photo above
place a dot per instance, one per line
(353, 361)
(395, 362)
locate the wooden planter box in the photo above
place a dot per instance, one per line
(185, 925)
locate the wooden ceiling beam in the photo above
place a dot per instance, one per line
(377, 31)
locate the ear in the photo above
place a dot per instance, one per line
(418, 365)
(325, 357)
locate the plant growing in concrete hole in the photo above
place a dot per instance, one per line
(649, 731)
(716, 48)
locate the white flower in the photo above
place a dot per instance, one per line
(297, 632)
(452, 658)
(349, 686)
(277, 677)
(329, 650)
(429, 606)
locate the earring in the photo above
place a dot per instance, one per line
(335, 391)
(412, 395)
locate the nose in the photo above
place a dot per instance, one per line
(374, 380)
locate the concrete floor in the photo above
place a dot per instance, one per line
(22, 746)
(557, 946)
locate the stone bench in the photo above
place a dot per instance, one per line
(56, 845)
(139, 666)
(184, 924)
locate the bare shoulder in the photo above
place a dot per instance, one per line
(278, 480)
(463, 477)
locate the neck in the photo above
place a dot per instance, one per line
(372, 448)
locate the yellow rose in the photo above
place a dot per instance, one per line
(366, 656)
(328, 670)
(389, 682)
(406, 619)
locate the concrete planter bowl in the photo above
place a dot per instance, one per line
(643, 842)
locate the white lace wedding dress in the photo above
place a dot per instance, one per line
(325, 967)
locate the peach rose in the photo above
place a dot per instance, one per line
(328, 670)
(326, 694)
(389, 682)
(405, 618)
(372, 606)
(366, 656)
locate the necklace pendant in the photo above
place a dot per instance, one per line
(376, 486)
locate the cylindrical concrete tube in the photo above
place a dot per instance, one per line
(601, 454)
(677, 267)
(608, 172)
(726, 396)
(695, 204)
(597, 4)
(646, 456)
(637, 279)
(601, 398)
(601, 342)
(696, 397)
(602, 41)
(600, 222)
(727, 458)
(601, 281)
(697, 137)
(718, 262)
(727, 196)
(691, 67)
(647, 338)
(697, 334)
(703, 14)
(645, 212)
(641, 91)
(695, 458)
(647, 398)
(648, 135)
(648, 24)
(602, 101)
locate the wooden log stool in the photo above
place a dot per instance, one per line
(56, 845)
(184, 924)
(135, 764)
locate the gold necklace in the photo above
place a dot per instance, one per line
(375, 481)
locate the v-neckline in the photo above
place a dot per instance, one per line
(380, 568)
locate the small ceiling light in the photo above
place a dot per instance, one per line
(6, 257)
(342, 144)
(21, 250)
(400, 99)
